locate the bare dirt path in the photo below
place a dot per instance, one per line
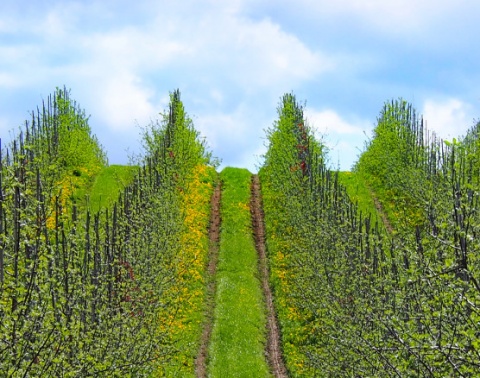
(273, 347)
(214, 240)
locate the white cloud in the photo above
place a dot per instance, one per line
(18, 64)
(123, 100)
(267, 55)
(344, 138)
(8, 81)
(449, 118)
(343, 153)
(396, 17)
(223, 130)
(235, 136)
(219, 128)
(328, 121)
(214, 46)
(134, 48)
(58, 22)
(252, 158)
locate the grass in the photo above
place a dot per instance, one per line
(238, 335)
(108, 185)
(192, 259)
(359, 192)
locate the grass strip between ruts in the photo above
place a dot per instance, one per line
(238, 336)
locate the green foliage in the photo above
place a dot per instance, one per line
(471, 144)
(83, 297)
(353, 301)
(83, 293)
(287, 176)
(393, 162)
(389, 151)
(76, 148)
(173, 143)
(291, 148)
(60, 143)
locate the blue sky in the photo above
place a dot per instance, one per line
(233, 60)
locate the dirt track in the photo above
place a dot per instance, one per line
(273, 347)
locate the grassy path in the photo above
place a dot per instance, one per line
(360, 193)
(238, 336)
(106, 187)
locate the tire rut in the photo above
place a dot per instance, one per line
(214, 241)
(273, 348)
(383, 216)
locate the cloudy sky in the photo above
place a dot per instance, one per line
(233, 60)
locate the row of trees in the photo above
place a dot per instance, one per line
(82, 293)
(353, 299)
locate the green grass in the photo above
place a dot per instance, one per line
(238, 335)
(108, 185)
(359, 192)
